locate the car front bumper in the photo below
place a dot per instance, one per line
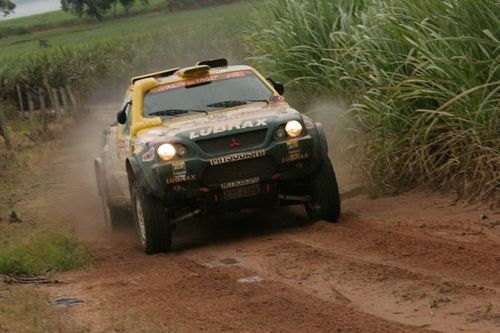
(236, 177)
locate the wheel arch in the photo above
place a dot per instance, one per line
(132, 172)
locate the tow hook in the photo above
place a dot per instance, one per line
(186, 216)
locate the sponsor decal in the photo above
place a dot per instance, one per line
(295, 157)
(181, 179)
(237, 157)
(238, 183)
(179, 168)
(234, 143)
(138, 149)
(204, 79)
(149, 155)
(293, 146)
(276, 99)
(227, 127)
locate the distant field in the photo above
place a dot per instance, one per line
(60, 18)
(119, 48)
(126, 26)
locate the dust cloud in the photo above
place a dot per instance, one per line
(339, 128)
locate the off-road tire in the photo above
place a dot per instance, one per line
(114, 216)
(325, 203)
(151, 221)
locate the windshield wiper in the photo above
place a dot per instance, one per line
(231, 103)
(174, 112)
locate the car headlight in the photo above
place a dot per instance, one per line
(166, 151)
(293, 128)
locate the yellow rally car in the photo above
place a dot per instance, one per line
(210, 139)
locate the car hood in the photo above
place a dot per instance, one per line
(219, 123)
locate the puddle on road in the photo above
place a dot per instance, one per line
(222, 262)
(65, 302)
(251, 279)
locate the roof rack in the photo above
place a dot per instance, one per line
(155, 75)
(222, 62)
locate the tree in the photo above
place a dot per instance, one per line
(126, 4)
(92, 8)
(6, 7)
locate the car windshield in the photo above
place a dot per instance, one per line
(205, 94)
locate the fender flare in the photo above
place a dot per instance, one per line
(133, 171)
(322, 141)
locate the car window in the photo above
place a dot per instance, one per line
(206, 93)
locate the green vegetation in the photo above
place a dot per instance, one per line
(422, 79)
(55, 253)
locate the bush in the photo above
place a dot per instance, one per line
(421, 77)
(41, 254)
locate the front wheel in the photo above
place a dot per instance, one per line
(325, 203)
(151, 222)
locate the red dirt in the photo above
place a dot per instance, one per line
(409, 263)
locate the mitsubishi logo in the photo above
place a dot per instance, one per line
(234, 143)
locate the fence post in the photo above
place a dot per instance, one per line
(43, 110)
(20, 97)
(64, 101)
(31, 108)
(4, 131)
(74, 103)
(48, 89)
(57, 105)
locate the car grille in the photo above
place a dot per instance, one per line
(223, 143)
(223, 173)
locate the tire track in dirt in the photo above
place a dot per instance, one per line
(190, 297)
(339, 263)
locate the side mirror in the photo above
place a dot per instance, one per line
(121, 116)
(279, 87)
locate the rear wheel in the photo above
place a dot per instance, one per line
(114, 216)
(151, 222)
(325, 204)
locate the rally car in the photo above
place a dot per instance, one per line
(209, 139)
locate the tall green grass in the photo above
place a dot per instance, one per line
(422, 79)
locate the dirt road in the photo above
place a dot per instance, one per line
(411, 263)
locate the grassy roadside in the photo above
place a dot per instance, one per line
(32, 240)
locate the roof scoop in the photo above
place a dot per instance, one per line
(221, 62)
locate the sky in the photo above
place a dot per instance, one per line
(31, 7)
